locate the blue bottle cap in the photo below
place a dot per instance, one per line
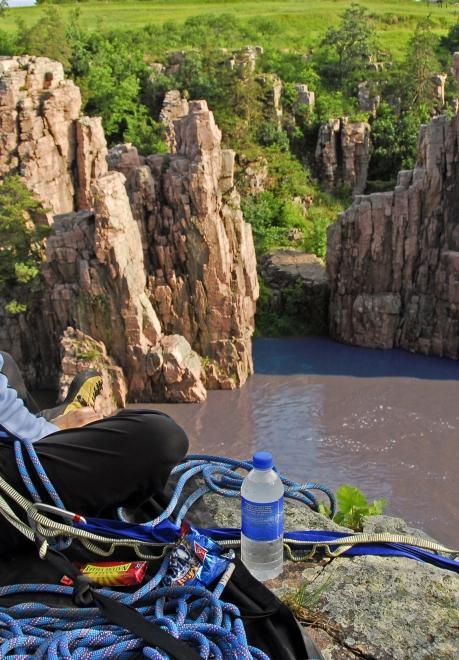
(262, 460)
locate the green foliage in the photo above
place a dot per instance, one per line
(48, 37)
(306, 600)
(450, 41)
(8, 44)
(290, 67)
(20, 241)
(349, 46)
(288, 313)
(353, 507)
(421, 64)
(394, 138)
(14, 307)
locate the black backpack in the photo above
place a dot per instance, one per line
(270, 625)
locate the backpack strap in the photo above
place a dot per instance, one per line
(86, 594)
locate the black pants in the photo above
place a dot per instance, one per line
(119, 461)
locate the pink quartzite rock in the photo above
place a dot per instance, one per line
(202, 267)
(174, 107)
(158, 277)
(42, 137)
(393, 258)
(343, 154)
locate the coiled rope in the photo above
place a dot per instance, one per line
(192, 614)
(220, 476)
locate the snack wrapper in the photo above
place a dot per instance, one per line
(195, 559)
(113, 573)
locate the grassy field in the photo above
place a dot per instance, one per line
(300, 23)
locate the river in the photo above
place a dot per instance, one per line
(385, 421)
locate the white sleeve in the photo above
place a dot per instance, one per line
(16, 419)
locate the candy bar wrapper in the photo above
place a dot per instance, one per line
(115, 573)
(196, 559)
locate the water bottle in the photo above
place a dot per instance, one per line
(262, 517)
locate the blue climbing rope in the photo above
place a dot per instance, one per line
(220, 476)
(36, 629)
(190, 613)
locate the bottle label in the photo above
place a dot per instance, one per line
(262, 521)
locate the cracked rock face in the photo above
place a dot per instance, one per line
(393, 258)
(202, 278)
(343, 155)
(377, 608)
(157, 278)
(42, 136)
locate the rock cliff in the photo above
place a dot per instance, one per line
(343, 155)
(201, 262)
(160, 277)
(42, 136)
(393, 258)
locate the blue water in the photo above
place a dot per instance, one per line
(385, 421)
(322, 356)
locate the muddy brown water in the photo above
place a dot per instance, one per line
(385, 421)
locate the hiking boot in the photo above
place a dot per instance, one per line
(83, 391)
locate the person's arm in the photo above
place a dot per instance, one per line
(16, 419)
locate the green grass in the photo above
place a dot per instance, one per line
(300, 23)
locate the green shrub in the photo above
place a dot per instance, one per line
(20, 243)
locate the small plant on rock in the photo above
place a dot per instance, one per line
(353, 507)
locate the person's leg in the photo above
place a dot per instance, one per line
(15, 380)
(119, 461)
(83, 390)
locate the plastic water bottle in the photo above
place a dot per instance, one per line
(262, 516)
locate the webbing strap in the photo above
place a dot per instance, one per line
(86, 594)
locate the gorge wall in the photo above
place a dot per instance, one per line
(393, 257)
(163, 279)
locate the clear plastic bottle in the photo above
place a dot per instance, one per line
(262, 517)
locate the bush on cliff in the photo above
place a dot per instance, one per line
(21, 247)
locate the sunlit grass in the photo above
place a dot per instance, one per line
(301, 23)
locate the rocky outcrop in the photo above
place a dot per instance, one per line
(305, 97)
(393, 258)
(42, 136)
(155, 277)
(245, 59)
(80, 352)
(368, 100)
(343, 155)
(271, 95)
(254, 173)
(439, 81)
(298, 284)
(360, 607)
(174, 107)
(202, 268)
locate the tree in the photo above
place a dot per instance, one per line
(394, 140)
(47, 37)
(20, 242)
(351, 43)
(420, 65)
